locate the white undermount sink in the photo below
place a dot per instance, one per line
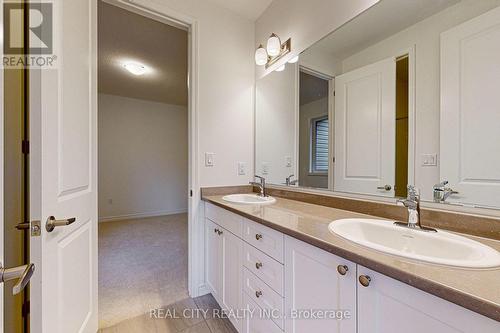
(435, 247)
(249, 199)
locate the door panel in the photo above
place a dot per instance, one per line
(232, 251)
(365, 120)
(64, 120)
(312, 282)
(213, 264)
(470, 77)
(390, 306)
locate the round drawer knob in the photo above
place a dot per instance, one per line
(258, 236)
(258, 265)
(342, 269)
(364, 280)
(258, 294)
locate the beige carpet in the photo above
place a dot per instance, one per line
(142, 265)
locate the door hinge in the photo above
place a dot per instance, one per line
(26, 309)
(333, 159)
(25, 147)
(191, 193)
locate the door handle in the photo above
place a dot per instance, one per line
(22, 273)
(52, 223)
(385, 188)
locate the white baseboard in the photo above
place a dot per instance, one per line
(203, 290)
(140, 215)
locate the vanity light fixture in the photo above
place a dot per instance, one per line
(135, 68)
(273, 52)
(273, 45)
(280, 69)
(261, 56)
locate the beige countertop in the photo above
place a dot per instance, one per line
(474, 289)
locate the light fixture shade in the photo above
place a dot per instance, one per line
(294, 60)
(261, 56)
(280, 69)
(135, 68)
(273, 45)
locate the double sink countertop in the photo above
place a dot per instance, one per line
(475, 289)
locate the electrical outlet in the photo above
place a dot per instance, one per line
(209, 159)
(265, 168)
(288, 161)
(242, 168)
(429, 159)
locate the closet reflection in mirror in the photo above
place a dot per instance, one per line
(344, 118)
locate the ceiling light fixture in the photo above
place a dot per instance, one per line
(273, 52)
(135, 68)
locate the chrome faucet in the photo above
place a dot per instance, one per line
(261, 185)
(412, 203)
(442, 192)
(289, 181)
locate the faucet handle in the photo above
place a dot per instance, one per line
(441, 185)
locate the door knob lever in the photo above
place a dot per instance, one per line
(23, 275)
(52, 223)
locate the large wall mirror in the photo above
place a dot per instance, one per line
(407, 93)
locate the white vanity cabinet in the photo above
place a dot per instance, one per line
(251, 266)
(316, 280)
(386, 305)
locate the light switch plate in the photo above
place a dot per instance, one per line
(429, 159)
(242, 168)
(209, 159)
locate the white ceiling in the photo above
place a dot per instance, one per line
(251, 9)
(381, 21)
(125, 36)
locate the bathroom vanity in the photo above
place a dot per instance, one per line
(282, 259)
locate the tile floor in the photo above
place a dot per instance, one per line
(146, 324)
(142, 265)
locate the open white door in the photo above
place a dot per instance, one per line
(365, 129)
(63, 174)
(470, 118)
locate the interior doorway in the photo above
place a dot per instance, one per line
(143, 141)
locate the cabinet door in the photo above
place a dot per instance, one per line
(312, 282)
(232, 277)
(390, 306)
(213, 262)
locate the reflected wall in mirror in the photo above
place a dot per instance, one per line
(405, 93)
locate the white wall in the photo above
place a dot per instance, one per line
(305, 21)
(426, 36)
(275, 125)
(143, 158)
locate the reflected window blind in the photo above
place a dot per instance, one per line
(320, 145)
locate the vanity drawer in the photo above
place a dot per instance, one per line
(224, 218)
(258, 322)
(265, 239)
(264, 267)
(263, 296)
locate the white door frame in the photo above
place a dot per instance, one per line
(1, 170)
(166, 15)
